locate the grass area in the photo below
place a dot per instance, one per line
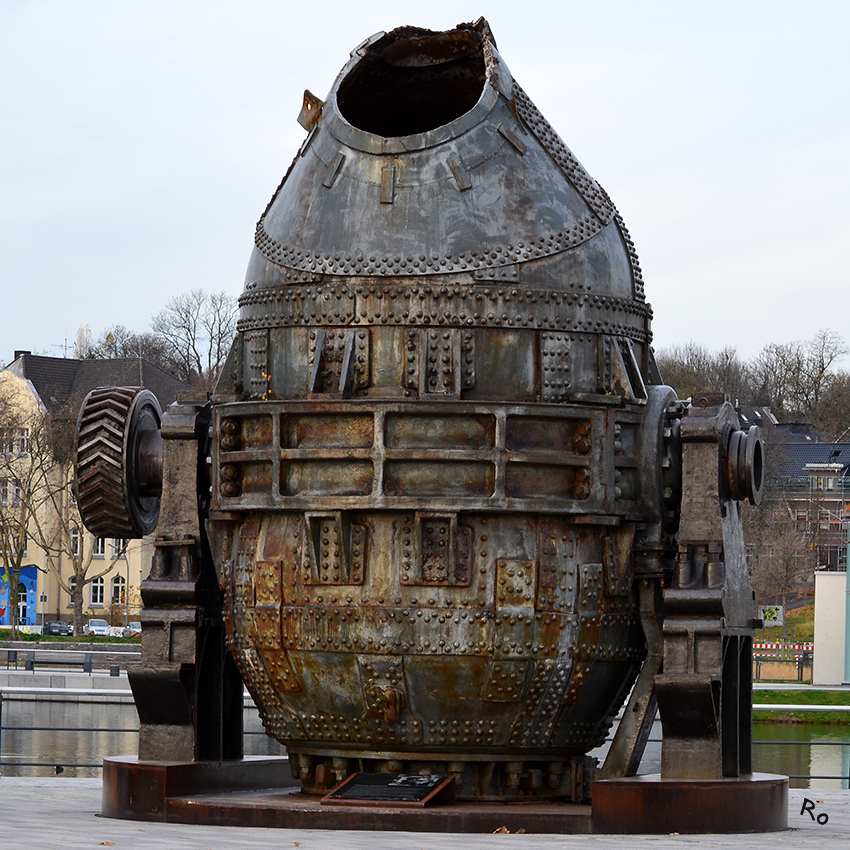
(804, 696)
(6, 634)
(801, 627)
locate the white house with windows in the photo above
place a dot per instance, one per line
(110, 590)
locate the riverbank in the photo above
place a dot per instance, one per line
(806, 695)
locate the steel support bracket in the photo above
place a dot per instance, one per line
(187, 688)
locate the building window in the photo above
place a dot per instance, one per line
(16, 442)
(119, 590)
(75, 542)
(10, 493)
(119, 547)
(98, 547)
(833, 557)
(97, 593)
(72, 583)
(22, 604)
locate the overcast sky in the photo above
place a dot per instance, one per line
(140, 142)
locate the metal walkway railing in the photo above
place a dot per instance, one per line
(772, 707)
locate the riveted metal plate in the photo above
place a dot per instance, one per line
(455, 302)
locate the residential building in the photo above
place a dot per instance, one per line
(53, 389)
(815, 481)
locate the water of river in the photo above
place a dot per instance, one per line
(43, 738)
(813, 751)
(807, 752)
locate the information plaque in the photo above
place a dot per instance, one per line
(385, 789)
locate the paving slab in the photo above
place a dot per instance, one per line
(46, 814)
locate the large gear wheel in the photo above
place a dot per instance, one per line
(118, 462)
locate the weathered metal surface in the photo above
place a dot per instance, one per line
(651, 804)
(633, 730)
(442, 486)
(705, 691)
(187, 689)
(136, 789)
(426, 470)
(258, 792)
(118, 461)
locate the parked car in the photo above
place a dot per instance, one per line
(57, 628)
(132, 629)
(97, 627)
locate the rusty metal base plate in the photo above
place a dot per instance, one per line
(652, 805)
(260, 792)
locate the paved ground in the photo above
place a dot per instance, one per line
(63, 814)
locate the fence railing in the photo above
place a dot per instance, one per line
(59, 764)
(771, 707)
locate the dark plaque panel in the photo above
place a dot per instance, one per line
(382, 789)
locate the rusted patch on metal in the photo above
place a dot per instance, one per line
(459, 172)
(558, 582)
(505, 680)
(422, 431)
(388, 178)
(335, 549)
(311, 109)
(433, 48)
(534, 726)
(382, 681)
(619, 570)
(424, 478)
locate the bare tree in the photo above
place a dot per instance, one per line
(119, 341)
(35, 465)
(793, 377)
(685, 368)
(83, 343)
(18, 480)
(692, 369)
(821, 351)
(197, 328)
(781, 558)
(831, 419)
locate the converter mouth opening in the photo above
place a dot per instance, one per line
(413, 81)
